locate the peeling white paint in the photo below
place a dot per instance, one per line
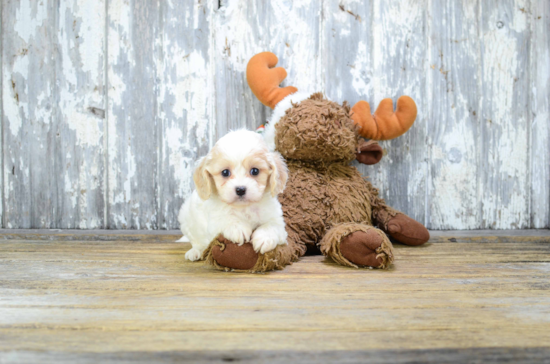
(505, 200)
(235, 39)
(185, 97)
(29, 14)
(455, 159)
(13, 103)
(291, 32)
(360, 65)
(540, 108)
(131, 174)
(80, 104)
(182, 166)
(478, 156)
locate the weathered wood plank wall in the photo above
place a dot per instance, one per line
(107, 104)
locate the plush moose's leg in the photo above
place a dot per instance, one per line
(355, 245)
(401, 227)
(407, 230)
(396, 224)
(228, 256)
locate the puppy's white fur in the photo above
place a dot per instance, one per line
(215, 207)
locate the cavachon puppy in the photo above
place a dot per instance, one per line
(237, 185)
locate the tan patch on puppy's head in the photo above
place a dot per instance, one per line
(219, 162)
(279, 173)
(240, 170)
(204, 183)
(258, 160)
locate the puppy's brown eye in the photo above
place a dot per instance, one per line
(226, 173)
(254, 171)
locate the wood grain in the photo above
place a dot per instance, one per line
(80, 98)
(504, 115)
(132, 114)
(454, 94)
(399, 48)
(539, 100)
(120, 299)
(29, 114)
(2, 191)
(289, 29)
(185, 100)
(485, 355)
(107, 105)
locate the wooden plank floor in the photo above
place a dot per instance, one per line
(89, 297)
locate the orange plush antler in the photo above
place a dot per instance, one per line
(264, 80)
(384, 124)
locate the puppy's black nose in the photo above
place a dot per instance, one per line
(240, 191)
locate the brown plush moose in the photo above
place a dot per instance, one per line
(328, 206)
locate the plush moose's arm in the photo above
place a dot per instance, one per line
(369, 152)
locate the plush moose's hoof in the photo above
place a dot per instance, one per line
(407, 231)
(361, 248)
(225, 255)
(357, 245)
(231, 255)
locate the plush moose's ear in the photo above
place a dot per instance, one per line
(369, 152)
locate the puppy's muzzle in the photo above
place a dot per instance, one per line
(240, 191)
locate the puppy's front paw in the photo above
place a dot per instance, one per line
(237, 234)
(263, 241)
(193, 254)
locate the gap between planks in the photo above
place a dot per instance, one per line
(436, 236)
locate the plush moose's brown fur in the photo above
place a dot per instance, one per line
(225, 255)
(317, 130)
(327, 199)
(327, 203)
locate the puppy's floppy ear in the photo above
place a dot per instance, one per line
(369, 152)
(203, 180)
(279, 173)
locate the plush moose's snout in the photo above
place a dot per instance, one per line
(369, 152)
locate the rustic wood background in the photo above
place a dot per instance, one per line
(106, 104)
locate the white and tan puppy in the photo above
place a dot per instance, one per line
(237, 185)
